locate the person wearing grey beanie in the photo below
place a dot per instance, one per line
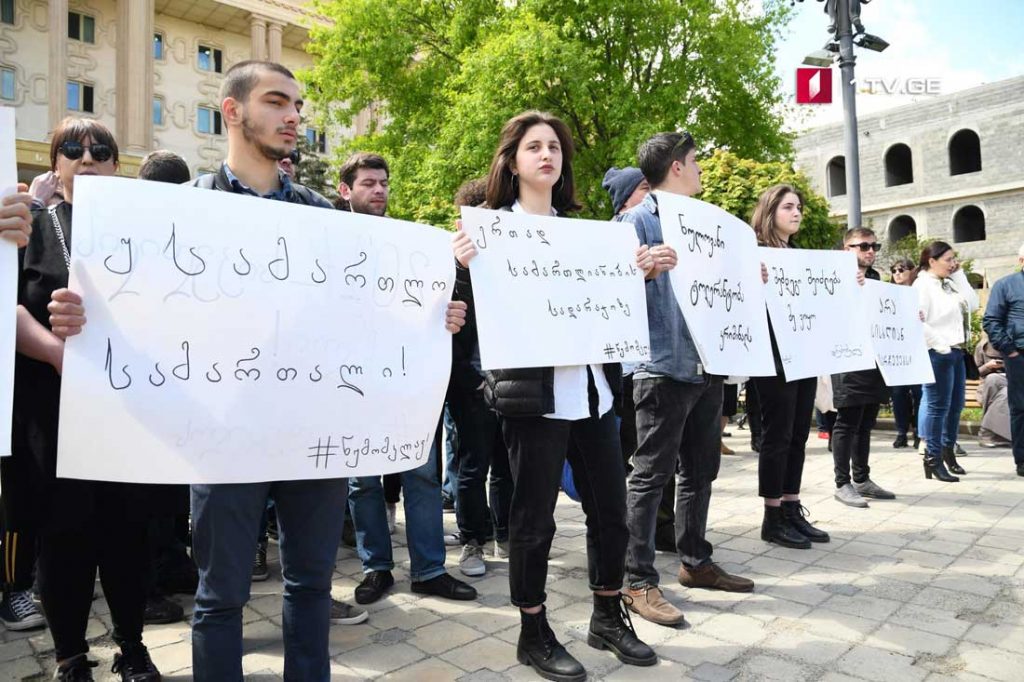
(627, 187)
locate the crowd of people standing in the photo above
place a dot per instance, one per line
(644, 442)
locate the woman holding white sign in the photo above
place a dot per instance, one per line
(786, 406)
(945, 310)
(543, 410)
(83, 525)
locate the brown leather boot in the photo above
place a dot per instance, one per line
(649, 603)
(714, 577)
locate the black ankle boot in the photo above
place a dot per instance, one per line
(775, 528)
(611, 628)
(949, 458)
(934, 466)
(539, 649)
(794, 512)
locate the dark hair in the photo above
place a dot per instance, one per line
(164, 166)
(655, 156)
(78, 129)
(905, 263)
(763, 220)
(857, 232)
(501, 191)
(934, 250)
(350, 169)
(471, 192)
(241, 78)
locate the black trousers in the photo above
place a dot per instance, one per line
(753, 406)
(17, 526)
(537, 449)
(786, 412)
(851, 442)
(112, 540)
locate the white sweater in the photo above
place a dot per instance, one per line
(944, 311)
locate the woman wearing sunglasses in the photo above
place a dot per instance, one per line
(905, 399)
(82, 526)
(945, 309)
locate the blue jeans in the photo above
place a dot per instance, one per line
(226, 520)
(906, 402)
(1015, 400)
(449, 487)
(424, 529)
(942, 402)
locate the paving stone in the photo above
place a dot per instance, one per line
(424, 671)
(765, 667)
(879, 664)
(709, 672)
(992, 663)
(373, 661)
(442, 636)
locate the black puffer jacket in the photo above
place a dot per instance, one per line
(523, 392)
(864, 387)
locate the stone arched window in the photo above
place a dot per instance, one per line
(969, 225)
(964, 152)
(900, 227)
(836, 170)
(899, 165)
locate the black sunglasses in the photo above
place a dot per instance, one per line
(898, 268)
(865, 246)
(72, 149)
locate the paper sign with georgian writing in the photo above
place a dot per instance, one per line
(897, 334)
(235, 339)
(717, 284)
(815, 306)
(556, 291)
(8, 282)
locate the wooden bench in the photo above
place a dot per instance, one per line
(971, 391)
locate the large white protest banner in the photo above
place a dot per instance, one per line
(815, 305)
(8, 282)
(236, 339)
(717, 283)
(897, 334)
(556, 291)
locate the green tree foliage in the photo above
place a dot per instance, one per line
(735, 184)
(314, 170)
(444, 75)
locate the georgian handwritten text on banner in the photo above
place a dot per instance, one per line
(556, 291)
(234, 339)
(897, 334)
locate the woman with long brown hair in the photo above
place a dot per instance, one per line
(786, 406)
(542, 411)
(82, 525)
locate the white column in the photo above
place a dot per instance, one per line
(274, 30)
(135, 75)
(56, 84)
(258, 36)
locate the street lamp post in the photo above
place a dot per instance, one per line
(843, 26)
(844, 32)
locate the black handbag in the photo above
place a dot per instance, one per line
(971, 367)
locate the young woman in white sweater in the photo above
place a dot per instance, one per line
(946, 301)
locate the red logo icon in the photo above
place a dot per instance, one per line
(813, 86)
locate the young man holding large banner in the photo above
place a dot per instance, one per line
(677, 408)
(261, 107)
(857, 396)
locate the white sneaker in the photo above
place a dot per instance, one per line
(452, 539)
(471, 562)
(391, 511)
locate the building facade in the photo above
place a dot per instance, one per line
(149, 69)
(949, 168)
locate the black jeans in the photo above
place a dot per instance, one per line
(786, 411)
(678, 432)
(905, 402)
(1015, 400)
(851, 442)
(112, 540)
(537, 448)
(480, 450)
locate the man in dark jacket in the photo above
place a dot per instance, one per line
(857, 396)
(1004, 324)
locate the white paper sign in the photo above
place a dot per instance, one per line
(816, 310)
(897, 334)
(236, 339)
(717, 283)
(8, 282)
(556, 291)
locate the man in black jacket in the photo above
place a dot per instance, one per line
(857, 396)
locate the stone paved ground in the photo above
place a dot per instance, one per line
(927, 587)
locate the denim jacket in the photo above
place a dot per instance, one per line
(1004, 314)
(673, 352)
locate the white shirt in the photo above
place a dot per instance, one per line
(943, 311)
(570, 388)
